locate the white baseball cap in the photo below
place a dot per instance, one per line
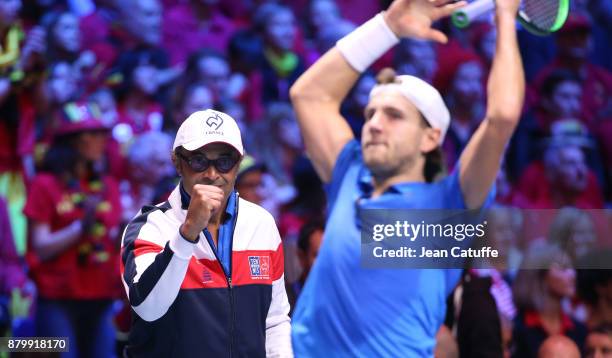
(425, 98)
(208, 126)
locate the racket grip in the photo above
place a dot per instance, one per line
(464, 16)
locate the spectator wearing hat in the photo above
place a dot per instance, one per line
(74, 212)
(206, 263)
(249, 182)
(60, 87)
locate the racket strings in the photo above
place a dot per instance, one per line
(540, 13)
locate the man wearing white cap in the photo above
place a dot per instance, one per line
(346, 310)
(203, 271)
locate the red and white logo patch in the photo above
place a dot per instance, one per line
(260, 267)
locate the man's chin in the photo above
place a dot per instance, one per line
(377, 166)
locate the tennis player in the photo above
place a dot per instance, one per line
(344, 309)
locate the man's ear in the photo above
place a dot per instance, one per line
(430, 140)
(175, 162)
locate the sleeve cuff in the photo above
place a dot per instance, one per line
(182, 247)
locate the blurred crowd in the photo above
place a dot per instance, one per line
(93, 91)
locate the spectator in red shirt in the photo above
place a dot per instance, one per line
(562, 179)
(559, 99)
(74, 213)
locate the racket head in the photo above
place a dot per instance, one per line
(543, 17)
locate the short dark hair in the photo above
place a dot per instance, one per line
(554, 79)
(603, 328)
(61, 158)
(310, 227)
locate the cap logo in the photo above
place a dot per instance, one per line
(214, 121)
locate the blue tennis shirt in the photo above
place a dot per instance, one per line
(347, 311)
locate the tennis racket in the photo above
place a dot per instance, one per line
(540, 17)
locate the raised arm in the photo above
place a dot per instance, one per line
(316, 97)
(318, 93)
(480, 161)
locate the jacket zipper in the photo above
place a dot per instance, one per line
(228, 279)
(228, 276)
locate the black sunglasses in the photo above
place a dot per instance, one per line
(199, 163)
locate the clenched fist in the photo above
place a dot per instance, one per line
(206, 200)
